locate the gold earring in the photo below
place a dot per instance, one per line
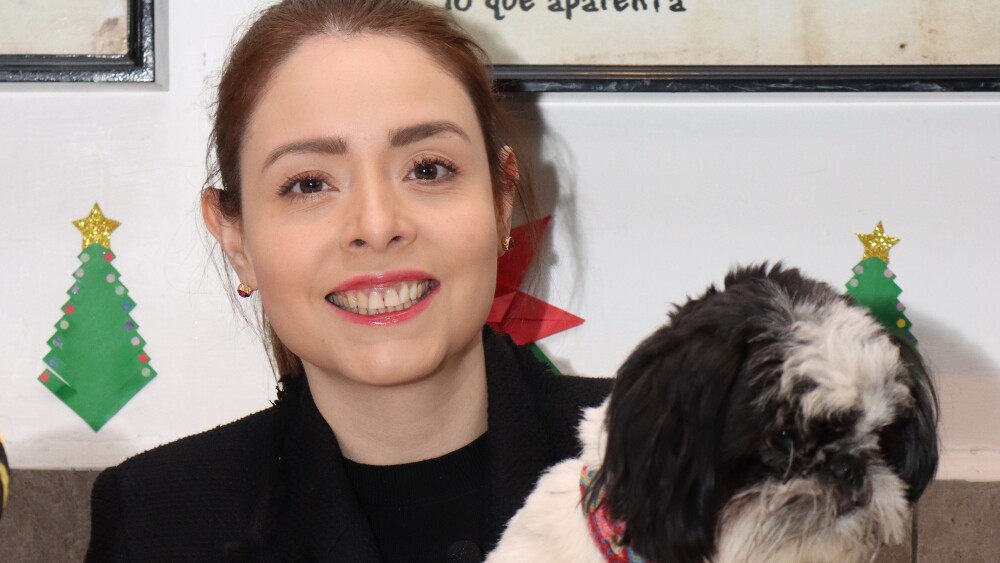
(244, 290)
(507, 243)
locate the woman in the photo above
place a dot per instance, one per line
(365, 189)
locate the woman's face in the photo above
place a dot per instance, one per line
(368, 227)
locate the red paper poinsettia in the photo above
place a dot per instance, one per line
(525, 318)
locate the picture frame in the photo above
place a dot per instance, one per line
(131, 62)
(721, 46)
(786, 78)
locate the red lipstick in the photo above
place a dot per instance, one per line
(358, 296)
(381, 279)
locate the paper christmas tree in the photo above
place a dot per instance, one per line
(874, 285)
(96, 361)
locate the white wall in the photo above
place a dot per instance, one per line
(654, 195)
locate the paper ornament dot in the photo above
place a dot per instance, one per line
(145, 372)
(119, 290)
(44, 377)
(900, 307)
(129, 325)
(57, 342)
(110, 278)
(85, 258)
(135, 341)
(128, 305)
(52, 362)
(143, 358)
(901, 323)
(888, 273)
(859, 269)
(64, 325)
(69, 309)
(75, 289)
(108, 256)
(78, 273)
(854, 283)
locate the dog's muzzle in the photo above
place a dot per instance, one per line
(850, 474)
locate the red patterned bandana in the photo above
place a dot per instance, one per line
(605, 531)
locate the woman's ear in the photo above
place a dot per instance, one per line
(511, 177)
(228, 234)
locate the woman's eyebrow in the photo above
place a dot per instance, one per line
(322, 145)
(421, 131)
(337, 145)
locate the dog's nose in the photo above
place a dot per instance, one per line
(850, 475)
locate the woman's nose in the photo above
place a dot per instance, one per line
(380, 217)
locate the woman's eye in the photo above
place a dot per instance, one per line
(305, 186)
(430, 170)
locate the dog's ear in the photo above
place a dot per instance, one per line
(666, 421)
(910, 444)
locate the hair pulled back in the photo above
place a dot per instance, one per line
(277, 33)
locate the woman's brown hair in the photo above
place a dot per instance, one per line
(275, 35)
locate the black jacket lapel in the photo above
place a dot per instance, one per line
(322, 515)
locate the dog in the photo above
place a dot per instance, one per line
(774, 420)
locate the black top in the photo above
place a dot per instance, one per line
(273, 487)
(418, 511)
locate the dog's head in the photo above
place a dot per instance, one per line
(774, 419)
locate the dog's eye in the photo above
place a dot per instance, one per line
(836, 427)
(785, 440)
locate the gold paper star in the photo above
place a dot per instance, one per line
(96, 228)
(877, 243)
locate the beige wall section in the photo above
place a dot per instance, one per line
(723, 32)
(47, 519)
(64, 27)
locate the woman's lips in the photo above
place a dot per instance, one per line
(383, 297)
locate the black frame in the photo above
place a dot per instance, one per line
(858, 78)
(136, 66)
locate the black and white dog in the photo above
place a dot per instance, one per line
(772, 421)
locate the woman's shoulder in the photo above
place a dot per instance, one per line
(228, 445)
(218, 467)
(518, 379)
(545, 382)
(197, 492)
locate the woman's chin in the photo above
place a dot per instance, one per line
(381, 364)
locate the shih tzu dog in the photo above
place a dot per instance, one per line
(771, 421)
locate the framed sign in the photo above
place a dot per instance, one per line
(722, 45)
(76, 41)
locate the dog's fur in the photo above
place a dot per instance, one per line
(772, 421)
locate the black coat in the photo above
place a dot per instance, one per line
(272, 487)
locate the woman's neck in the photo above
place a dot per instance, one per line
(422, 419)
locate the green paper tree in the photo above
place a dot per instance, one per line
(96, 362)
(543, 358)
(873, 284)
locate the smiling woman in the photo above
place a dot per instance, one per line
(364, 190)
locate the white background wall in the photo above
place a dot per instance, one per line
(654, 195)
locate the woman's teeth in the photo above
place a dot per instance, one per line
(374, 301)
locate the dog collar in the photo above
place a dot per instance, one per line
(605, 531)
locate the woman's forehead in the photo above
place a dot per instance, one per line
(357, 88)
